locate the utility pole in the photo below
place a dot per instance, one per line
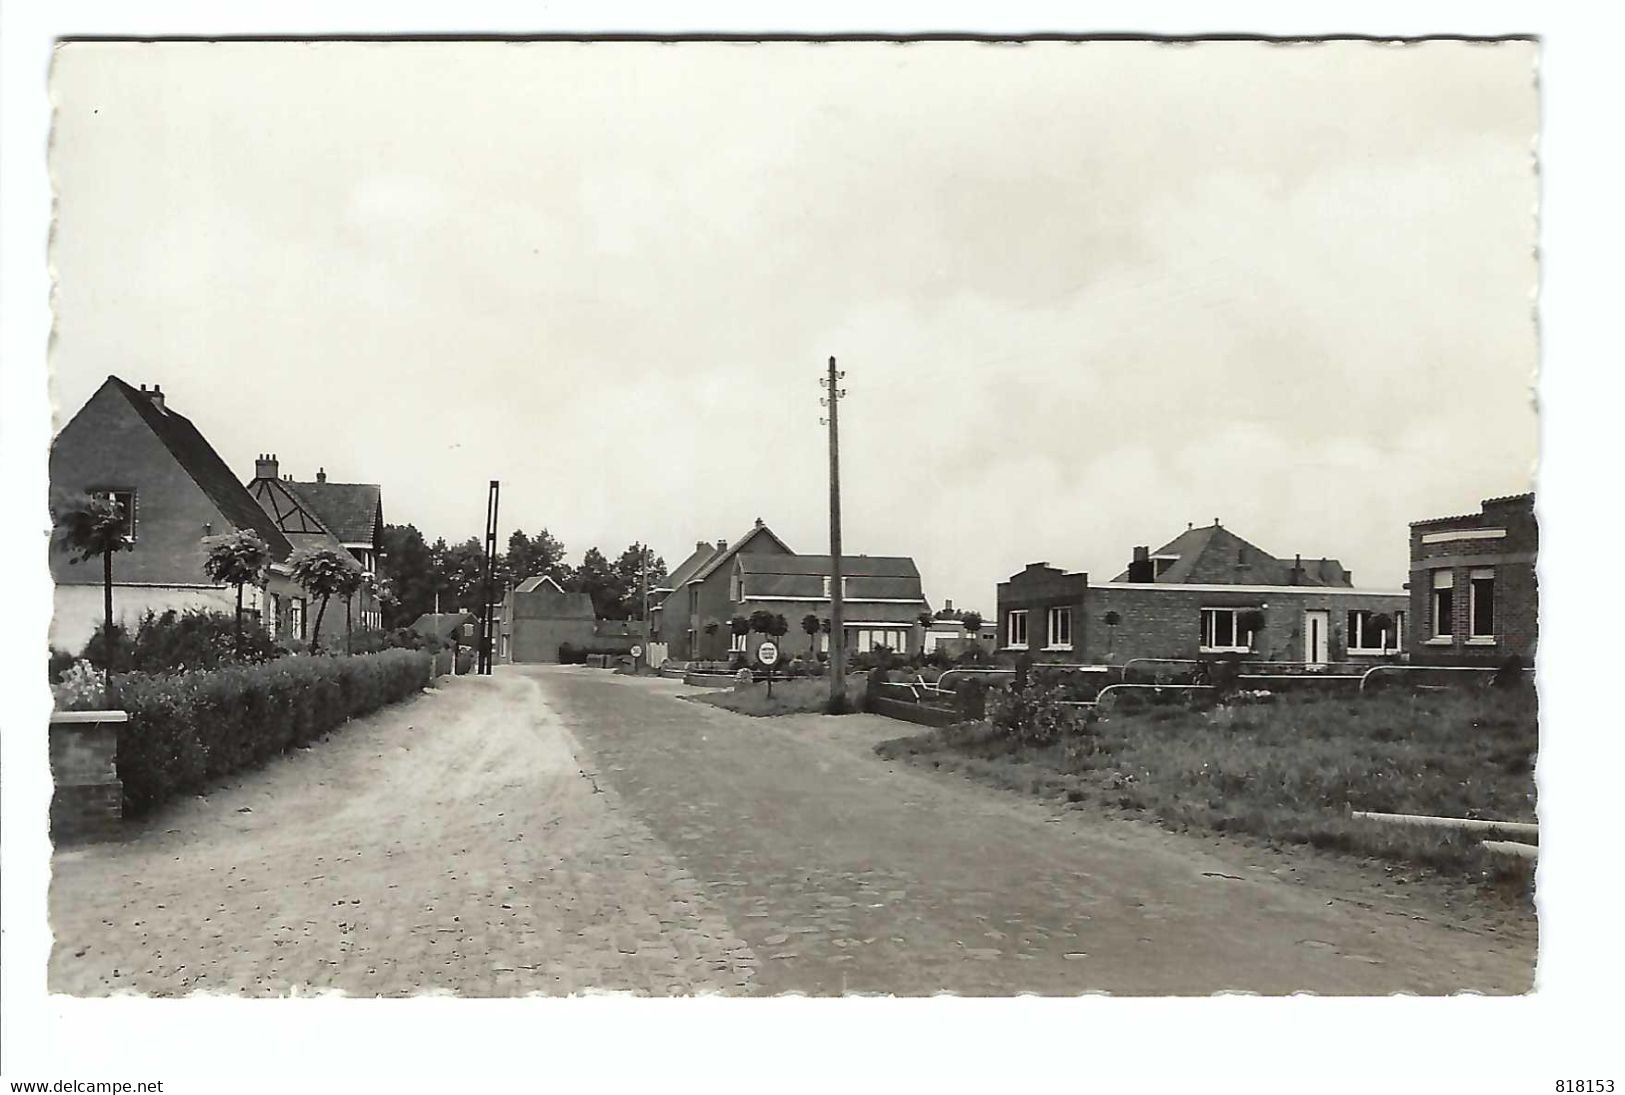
(643, 592)
(486, 625)
(833, 394)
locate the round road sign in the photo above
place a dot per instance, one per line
(637, 651)
(767, 653)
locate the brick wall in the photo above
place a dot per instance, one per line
(1502, 538)
(88, 799)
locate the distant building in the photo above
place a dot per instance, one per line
(538, 619)
(342, 516)
(1473, 585)
(129, 445)
(1206, 593)
(461, 628)
(882, 598)
(948, 634)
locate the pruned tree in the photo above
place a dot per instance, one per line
(1111, 620)
(971, 621)
(325, 573)
(812, 626)
(761, 621)
(239, 559)
(92, 526)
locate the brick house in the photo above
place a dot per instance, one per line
(343, 516)
(538, 617)
(1203, 594)
(760, 572)
(128, 443)
(1473, 588)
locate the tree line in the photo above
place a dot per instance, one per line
(417, 570)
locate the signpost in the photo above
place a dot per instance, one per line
(768, 655)
(637, 652)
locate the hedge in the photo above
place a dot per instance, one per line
(188, 729)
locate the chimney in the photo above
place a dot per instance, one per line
(948, 605)
(321, 475)
(1297, 569)
(722, 545)
(760, 522)
(156, 395)
(1140, 569)
(265, 467)
(701, 545)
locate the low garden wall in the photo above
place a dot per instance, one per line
(88, 799)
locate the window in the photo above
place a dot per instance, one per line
(1481, 604)
(739, 642)
(1160, 563)
(273, 618)
(126, 505)
(826, 585)
(296, 618)
(1222, 631)
(866, 639)
(1060, 629)
(1366, 637)
(1444, 604)
(1017, 629)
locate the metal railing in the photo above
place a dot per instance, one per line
(1479, 669)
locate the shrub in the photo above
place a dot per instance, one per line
(187, 728)
(400, 638)
(182, 641)
(60, 662)
(1036, 714)
(82, 687)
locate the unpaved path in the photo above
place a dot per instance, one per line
(448, 844)
(849, 874)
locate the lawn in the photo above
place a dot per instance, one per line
(1287, 772)
(794, 696)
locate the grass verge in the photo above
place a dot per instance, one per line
(797, 696)
(1288, 772)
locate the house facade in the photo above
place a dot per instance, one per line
(1473, 586)
(538, 618)
(1207, 593)
(759, 572)
(175, 490)
(347, 517)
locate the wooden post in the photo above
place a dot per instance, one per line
(837, 620)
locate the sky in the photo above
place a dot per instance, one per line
(1084, 294)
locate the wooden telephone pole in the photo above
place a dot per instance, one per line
(487, 624)
(837, 624)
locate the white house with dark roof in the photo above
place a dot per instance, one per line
(176, 491)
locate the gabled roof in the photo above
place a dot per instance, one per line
(441, 625)
(535, 582)
(688, 568)
(1213, 554)
(852, 566)
(199, 460)
(737, 546)
(354, 512)
(292, 514)
(867, 577)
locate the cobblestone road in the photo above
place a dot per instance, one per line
(848, 874)
(559, 830)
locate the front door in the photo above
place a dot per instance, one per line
(1316, 625)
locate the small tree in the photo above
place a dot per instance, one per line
(810, 624)
(324, 573)
(1251, 622)
(972, 623)
(778, 626)
(761, 621)
(1382, 624)
(91, 527)
(238, 559)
